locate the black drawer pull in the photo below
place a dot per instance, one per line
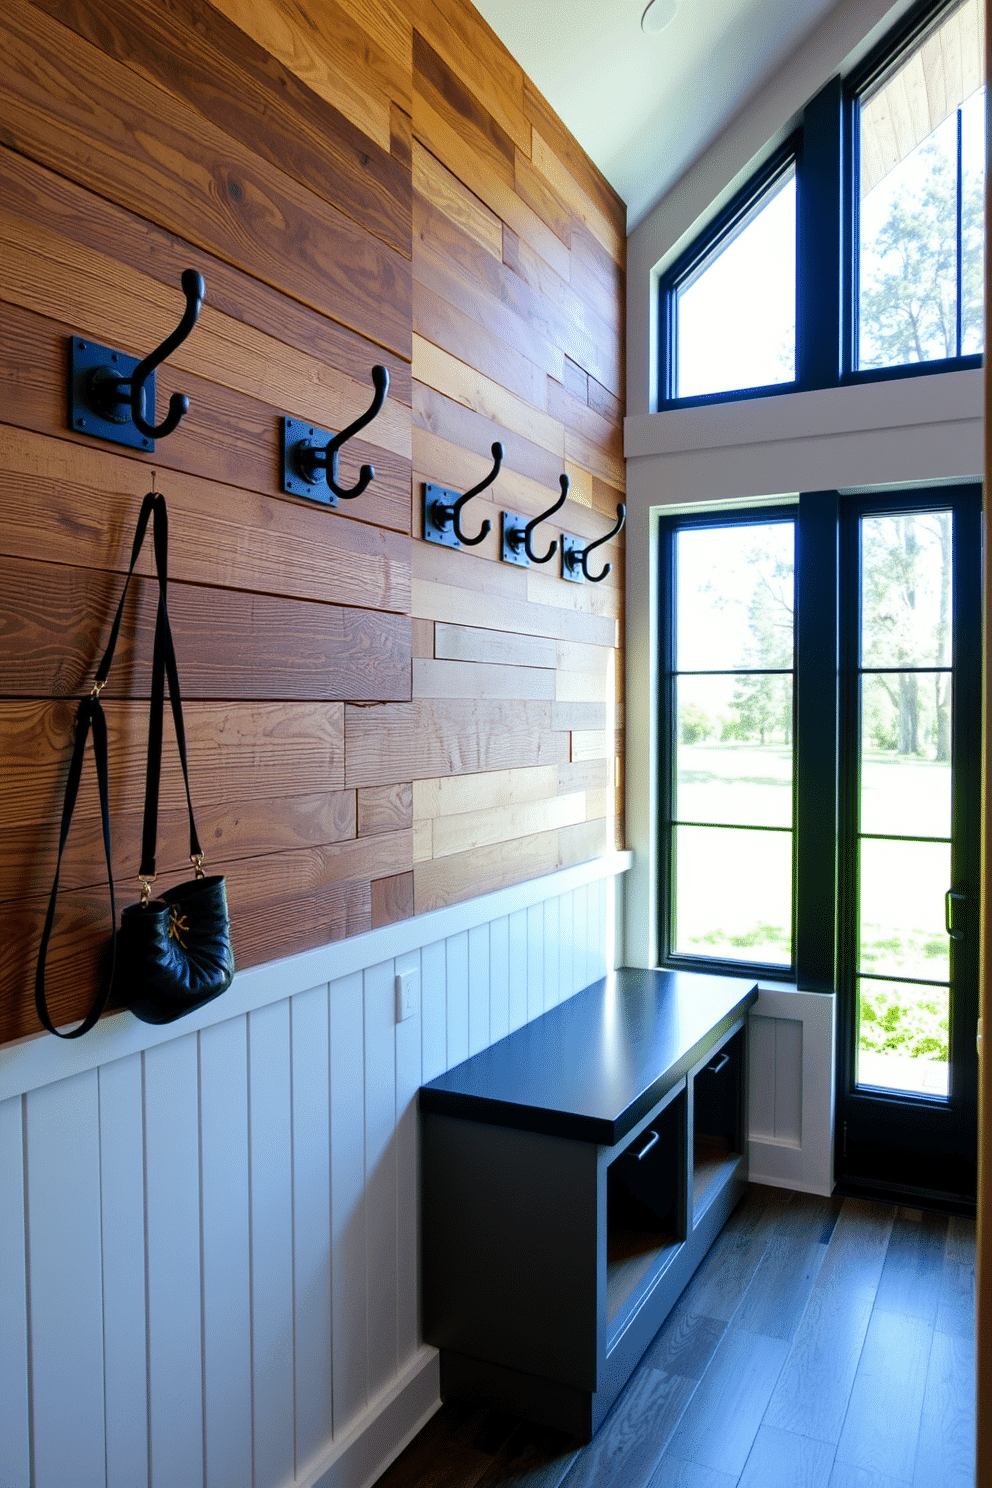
(720, 1062)
(652, 1137)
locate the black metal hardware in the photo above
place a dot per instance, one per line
(310, 455)
(516, 545)
(652, 1137)
(442, 510)
(720, 1062)
(949, 899)
(111, 394)
(575, 558)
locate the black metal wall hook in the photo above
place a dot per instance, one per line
(442, 510)
(516, 547)
(575, 558)
(112, 395)
(310, 455)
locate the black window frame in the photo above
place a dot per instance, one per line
(825, 148)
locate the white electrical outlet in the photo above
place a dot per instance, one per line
(407, 987)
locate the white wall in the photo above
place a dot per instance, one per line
(209, 1238)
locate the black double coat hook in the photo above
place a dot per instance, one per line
(516, 547)
(112, 396)
(443, 508)
(310, 455)
(575, 558)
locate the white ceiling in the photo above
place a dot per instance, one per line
(644, 107)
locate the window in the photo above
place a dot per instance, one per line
(734, 317)
(921, 135)
(857, 251)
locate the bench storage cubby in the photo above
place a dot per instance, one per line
(573, 1176)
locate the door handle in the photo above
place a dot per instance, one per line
(652, 1138)
(949, 899)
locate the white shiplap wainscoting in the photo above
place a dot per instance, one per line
(791, 1089)
(209, 1232)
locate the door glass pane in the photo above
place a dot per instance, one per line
(734, 750)
(735, 597)
(733, 894)
(736, 315)
(903, 1036)
(906, 590)
(973, 224)
(906, 754)
(902, 909)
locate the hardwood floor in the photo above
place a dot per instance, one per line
(823, 1343)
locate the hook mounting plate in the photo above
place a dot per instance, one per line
(85, 359)
(437, 531)
(572, 546)
(513, 522)
(297, 435)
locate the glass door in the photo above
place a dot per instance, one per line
(909, 920)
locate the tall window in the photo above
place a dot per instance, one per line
(921, 129)
(730, 702)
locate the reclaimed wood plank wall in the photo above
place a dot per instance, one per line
(377, 726)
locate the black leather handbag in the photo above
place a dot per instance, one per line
(173, 952)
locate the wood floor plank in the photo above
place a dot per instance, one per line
(845, 1476)
(717, 1287)
(860, 1239)
(685, 1344)
(673, 1473)
(634, 1435)
(945, 1455)
(779, 1291)
(814, 1387)
(883, 1418)
(724, 1415)
(781, 1459)
(912, 1276)
(956, 1307)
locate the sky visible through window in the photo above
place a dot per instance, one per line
(736, 319)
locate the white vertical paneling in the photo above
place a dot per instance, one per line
(761, 1076)
(499, 978)
(380, 1170)
(433, 1011)
(518, 969)
(271, 1179)
(408, 1080)
(456, 973)
(580, 910)
(566, 934)
(226, 1254)
(478, 988)
(596, 931)
(349, 1351)
(552, 955)
(310, 1035)
(15, 1426)
(535, 961)
(788, 1079)
(122, 1202)
(65, 1284)
(172, 1186)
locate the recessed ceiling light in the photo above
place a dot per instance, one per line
(657, 16)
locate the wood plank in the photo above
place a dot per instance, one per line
(457, 679)
(461, 336)
(227, 437)
(442, 139)
(423, 638)
(468, 643)
(568, 150)
(457, 380)
(471, 830)
(576, 380)
(384, 808)
(219, 535)
(224, 350)
(534, 188)
(453, 794)
(69, 212)
(230, 644)
(272, 749)
(457, 607)
(945, 1453)
(635, 1434)
(911, 1278)
(444, 191)
(781, 1459)
(319, 50)
(466, 875)
(479, 59)
(401, 136)
(199, 56)
(606, 227)
(445, 93)
(467, 568)
(392, 899)
(587, 775)
(192, 179)
(584, 841)
(882, 1424)
(579, 418)
(411, 741)
(723, 1417)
